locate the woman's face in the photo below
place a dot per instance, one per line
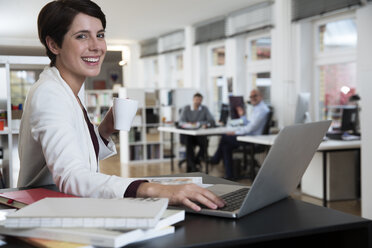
(83, 49)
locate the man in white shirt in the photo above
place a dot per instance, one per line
(254, 126)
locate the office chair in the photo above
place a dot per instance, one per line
(183, 161)
(251, 150)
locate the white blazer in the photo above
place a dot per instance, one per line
(55, 144)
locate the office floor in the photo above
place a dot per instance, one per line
(112, 166)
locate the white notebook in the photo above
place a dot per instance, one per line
(89, 212)
(101, 237)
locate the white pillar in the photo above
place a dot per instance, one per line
(200, 68)
(283, 86)
(188, 69)
(364, 82)
(302, 66)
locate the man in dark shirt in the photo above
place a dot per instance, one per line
(195, 116)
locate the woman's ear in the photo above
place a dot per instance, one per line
(52, 45)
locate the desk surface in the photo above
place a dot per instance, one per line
(197, 132)
(289, 222)
(280, 221)
(325, 145)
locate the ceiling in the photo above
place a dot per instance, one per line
(127, 20)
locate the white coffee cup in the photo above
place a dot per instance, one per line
(124, 111)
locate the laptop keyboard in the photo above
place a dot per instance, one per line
(233, 200)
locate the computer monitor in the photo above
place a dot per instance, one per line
(302, 114)
(235, 101)
(349, 118)
(224, 114)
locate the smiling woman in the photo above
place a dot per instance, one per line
(82, 52)
(58, 144)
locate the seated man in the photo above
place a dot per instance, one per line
(254, 126)
(197, 115)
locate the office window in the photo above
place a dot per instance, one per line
(341, 34)
(151, 72)
(155, 67)
(218, 56)
(262, 81)
(335, 64)
(215, 75)
(171, 68)
(258, 62)
(337, 83)
(179, 62)
(261, 48)
(176, 71)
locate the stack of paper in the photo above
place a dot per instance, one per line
(104, 236)
(123, 213)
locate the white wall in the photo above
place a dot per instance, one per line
(364, 82)
(133, 71)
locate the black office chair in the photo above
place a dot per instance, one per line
(184, 160)
(250, 150)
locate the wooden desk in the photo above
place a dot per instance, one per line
(287, 223)
(324, 147)
(195, 132)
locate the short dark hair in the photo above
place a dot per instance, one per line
(56, 17)
(198, 95)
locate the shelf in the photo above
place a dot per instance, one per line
(15, 95)
(15, 131)
(6, 131)
(151, 145)
(136, 152)
(153, 142)
(153, 151)
(136, 143)
(97, 103)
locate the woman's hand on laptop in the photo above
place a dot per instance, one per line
(185, 194)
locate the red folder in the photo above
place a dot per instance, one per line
(21, 198)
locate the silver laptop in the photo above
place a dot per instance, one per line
(280, 173)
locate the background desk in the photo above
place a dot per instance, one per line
(197, 132)
(325, 147)
(289, 222)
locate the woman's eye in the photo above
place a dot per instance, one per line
(102, 35)
(81, 36)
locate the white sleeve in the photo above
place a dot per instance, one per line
(254, 124)
(54, 126)
(105, 151)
